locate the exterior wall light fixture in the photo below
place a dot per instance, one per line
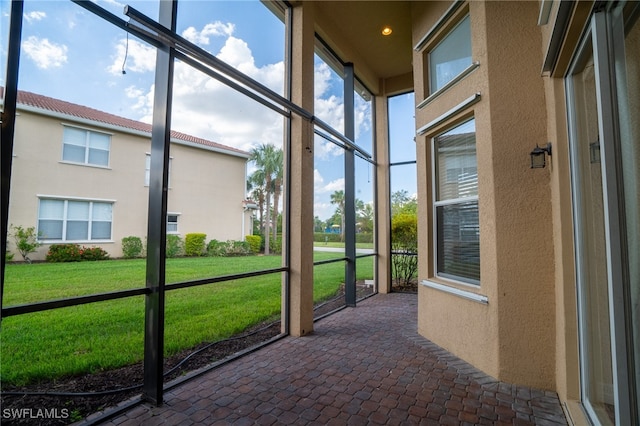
(594, 152)
(538, 157)
(386, 31)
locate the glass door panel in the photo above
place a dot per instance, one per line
(627, 72)
(591, 256)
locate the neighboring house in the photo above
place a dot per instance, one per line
(81, 176)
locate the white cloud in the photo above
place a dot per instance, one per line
(325, 150)
(329, 188)
(139, 57)
(321, 79)
(205, 108)
(143, 100)
(216, 29)
(114, 3)
(333, 186)
(44, 53)
(34, 16)
(318, 180)
(322, 207)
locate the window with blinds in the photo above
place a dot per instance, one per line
(457, 233)
(86, 147)
(74, 220)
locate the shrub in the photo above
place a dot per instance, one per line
(238, 248)
(364, 237)
(322, 237)
(75, 253)
(404, 246)
(194, 244)
(275, 246)
(26, 241)
(8, 256)
(131, 247)
(64, 253)
(228, 248)
(174, 245)
(255, 241)
(93, 253)
(216, 248)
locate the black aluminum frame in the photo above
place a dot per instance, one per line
(170, 46)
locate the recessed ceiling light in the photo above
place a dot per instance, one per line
(386, 31)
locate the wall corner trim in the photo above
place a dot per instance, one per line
(457, 292)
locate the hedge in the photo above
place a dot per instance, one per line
(131, 247)
(321, 237)
(74, 253)
(194, 244)
(174, 245)
(255, 242)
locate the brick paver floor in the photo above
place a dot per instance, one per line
(363, 365)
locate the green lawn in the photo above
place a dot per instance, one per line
(106, 335)
(341, 245)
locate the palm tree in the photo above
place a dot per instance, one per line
(266, 159)
(255, 185)
(277, 188)
(365, 216)
(338, 198)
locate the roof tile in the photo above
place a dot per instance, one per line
(75, 110)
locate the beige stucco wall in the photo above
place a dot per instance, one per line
(513, 336)
(206, 188)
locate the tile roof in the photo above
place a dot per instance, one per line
(75, 110)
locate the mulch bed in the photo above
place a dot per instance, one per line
(94, 392)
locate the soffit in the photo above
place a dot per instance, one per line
(352, 29)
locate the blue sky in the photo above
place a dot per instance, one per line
(70, 54)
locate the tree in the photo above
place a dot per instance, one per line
(255, 185)
(338, 198)
(398, 200)
(401, 203)
(267, 159)
(365, 217)
(26, 241)
(278, 175)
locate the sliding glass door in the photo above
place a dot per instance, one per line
(603, 102)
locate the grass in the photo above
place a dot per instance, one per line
(105, 335)
(341, 245)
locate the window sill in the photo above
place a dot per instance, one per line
(447, 86)
(95, 166)
(475, 297)
(76, 241)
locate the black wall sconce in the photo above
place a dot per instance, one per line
(594, 152)
(538, 157)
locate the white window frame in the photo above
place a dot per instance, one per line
(463, 71)
(65, 219)
(448, 202)
(177, 221)
(87, 148)
(147, 169)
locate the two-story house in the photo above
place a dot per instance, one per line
(82, 176)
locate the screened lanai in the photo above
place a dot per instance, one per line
(309, 80)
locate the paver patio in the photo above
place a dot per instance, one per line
(363, 365)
